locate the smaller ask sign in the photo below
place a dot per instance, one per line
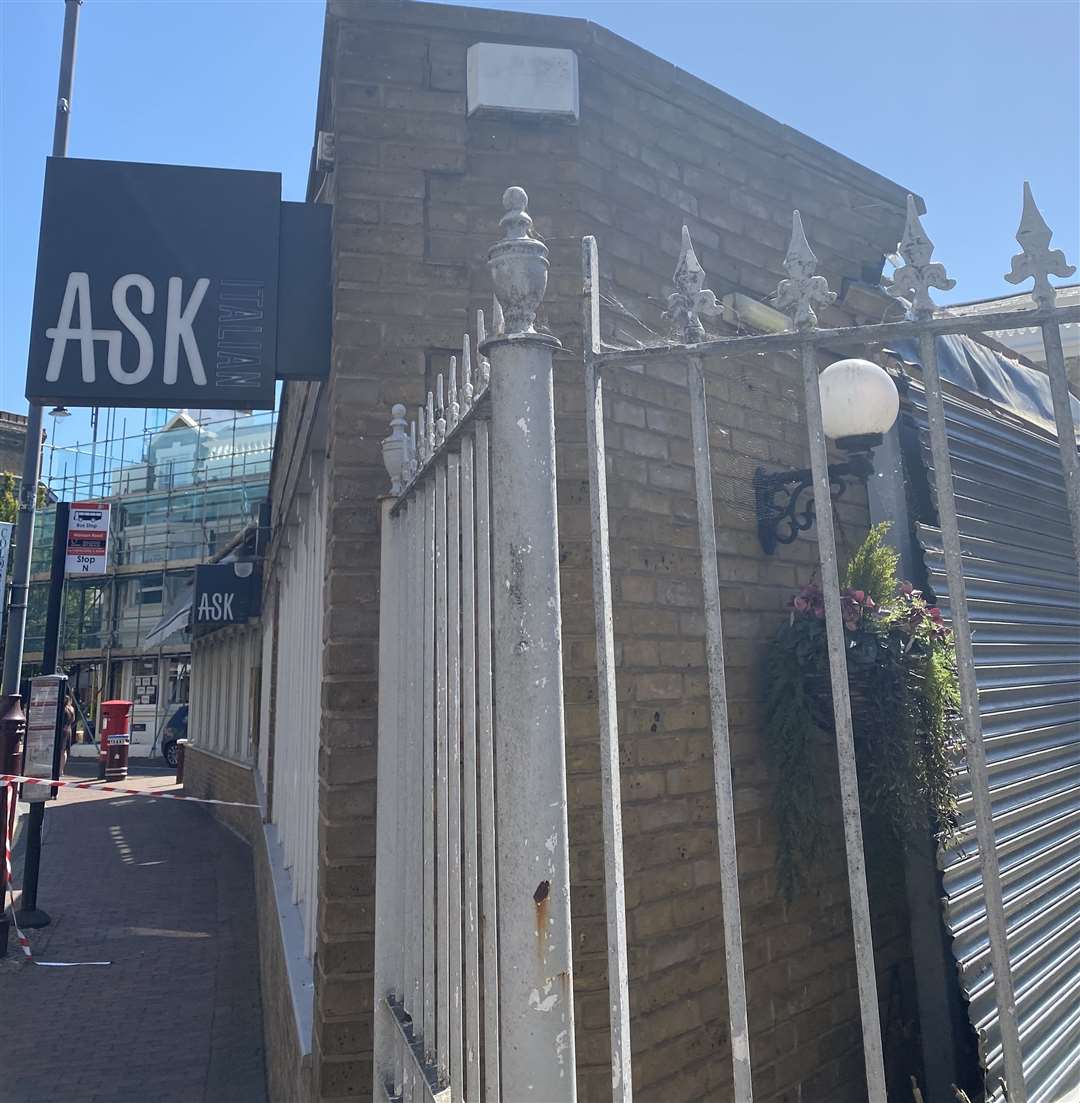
(88, 538)
(225, 594)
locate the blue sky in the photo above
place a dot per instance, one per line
(958, 101)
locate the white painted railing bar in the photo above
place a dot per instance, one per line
(388, 799)
(873, 1056)
(969, 704)
(410, 994)
(486, 754)
(738, 1020)
(409, 627)
(442, 784)
(825, 338)
(471, 908)
(622, 1087)
(426, 753)
(801, 292)
(453, 662)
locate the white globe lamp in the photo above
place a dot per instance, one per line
(859, 403)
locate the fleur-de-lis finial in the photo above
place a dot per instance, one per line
(1037, 260)
(691, 298)
(918, 274)
(802, 289)
(466, 373)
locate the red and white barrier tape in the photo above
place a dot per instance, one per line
(9, 894)
(11, 782)
(97, 787)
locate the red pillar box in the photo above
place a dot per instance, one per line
(115, 738)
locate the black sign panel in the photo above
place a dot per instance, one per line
(304, 291)
(157, 285)
(225, 593)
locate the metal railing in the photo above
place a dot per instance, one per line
(800, 293)
(472, 890)
(298, 614)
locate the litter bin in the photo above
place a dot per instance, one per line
(181, 746)
(115, 738)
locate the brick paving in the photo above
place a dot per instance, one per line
(165, 892)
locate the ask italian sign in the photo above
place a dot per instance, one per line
(161, 285)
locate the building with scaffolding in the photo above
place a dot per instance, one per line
(180, 489)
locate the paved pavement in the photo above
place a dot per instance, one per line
(165, 893)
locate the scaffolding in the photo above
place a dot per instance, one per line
(180, 488)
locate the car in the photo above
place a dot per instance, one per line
(174, 730)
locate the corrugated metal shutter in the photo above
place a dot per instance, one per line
(1024, 598)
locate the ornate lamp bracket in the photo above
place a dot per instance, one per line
(782, 504)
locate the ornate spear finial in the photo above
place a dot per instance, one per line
(454, 406)
(412, 462)
(918, 274)
(691, 297)
(798, 293)
(440, 410)
(519, 265)
(394, 448)
(498, 323)
(1037, 260)
(430, 426)
(466, 373)
(483, 365)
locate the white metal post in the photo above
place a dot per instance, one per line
(387, 889)
(917, 276)
(622, 1085)
(800, 292)
(485, 749)
(738, 1023)
(536, 999)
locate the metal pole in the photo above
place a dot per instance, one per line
(30, 915)
(622, 1085)
(389, 799)
(24, 530)
(969, 707)
(721, 742)
(845, 743)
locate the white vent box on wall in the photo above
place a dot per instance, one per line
(532, 80)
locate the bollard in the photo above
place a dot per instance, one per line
(181, 746)
(115, 738)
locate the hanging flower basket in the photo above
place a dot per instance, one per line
(904, 709)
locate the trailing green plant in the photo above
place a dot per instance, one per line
(904, 708)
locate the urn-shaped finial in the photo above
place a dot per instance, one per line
(519, 266)
(395, 448)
